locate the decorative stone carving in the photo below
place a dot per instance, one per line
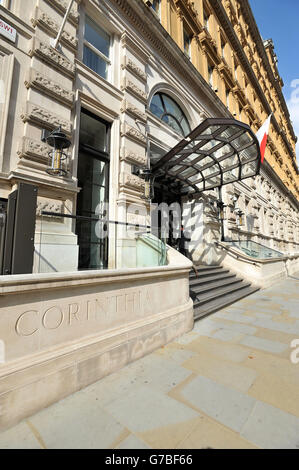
(49, 24)
(133, 133)
(128, 85)
(52, 56)
(37, 80)
(62, 6)
(132, 67)
(132, 157)
(132, 181)
(45, 118)
(33, 149)
(128, 107)
(49, 206)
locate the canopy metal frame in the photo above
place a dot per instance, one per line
(232, 147)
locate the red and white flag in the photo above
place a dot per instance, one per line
(262, 136)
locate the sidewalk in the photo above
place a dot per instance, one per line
(229, 383)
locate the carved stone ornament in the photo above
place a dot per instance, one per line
(62, 6)
(49, 206)
(42, 19)
(132, 157)
(132, 67)
(128, 107)
(128, 85)
(132, 181)
(52, 56)
(43, 117)
(37, 80)
(133, 133)
(30, 148)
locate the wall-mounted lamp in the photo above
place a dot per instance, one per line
(145, 174)
(221, 209)
(240, 218)
(57, 165)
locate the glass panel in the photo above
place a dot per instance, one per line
(95, 62)
(222, 151)
(93, 132)
(172, 123)
(209, 145)
(256, 250)
(230, 176)
(172, 108)
(211, 130)
(249, 169)
(211, 183)
(230, 131)
(156, 106)
(249, 154)
(241, 141)
(97, 37)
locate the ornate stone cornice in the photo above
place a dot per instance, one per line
(43, 20)
(127, 107)
(130, 86)
(62, 5)
(132, 181)
(52, 56)
(132, 67)
(133, 133)
(37, 80)
(42, 117)
(132, 157)
(49, 206)
(33, 149)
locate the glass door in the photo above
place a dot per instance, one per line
(93, 179)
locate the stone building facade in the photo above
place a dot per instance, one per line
(207, 56)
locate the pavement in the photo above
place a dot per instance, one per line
(228, 384)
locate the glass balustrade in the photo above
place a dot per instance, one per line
(255, 250)
(68, 243)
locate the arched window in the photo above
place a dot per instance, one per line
(166, 109)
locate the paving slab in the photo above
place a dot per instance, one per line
(271, 428)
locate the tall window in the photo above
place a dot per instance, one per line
(227, 92)
(187, 43)
(166, 109)
(96, 53)
(210, 73)
(156, 6)
(206, 18)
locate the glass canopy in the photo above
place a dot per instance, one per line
(218, 152)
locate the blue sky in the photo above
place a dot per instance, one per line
(279, 20)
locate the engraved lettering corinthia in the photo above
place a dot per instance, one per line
(52, 56)
(42, 19)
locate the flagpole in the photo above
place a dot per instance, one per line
(56, 41)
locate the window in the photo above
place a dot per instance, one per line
(210, 73)
(206, 19)
(187, 43)
(166, 109)
(156, 6)
(222, 49)
(96, 50)
(227, 92)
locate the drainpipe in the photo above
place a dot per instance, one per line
(55, 42)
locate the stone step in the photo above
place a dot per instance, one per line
(206, 280)
(208, 273)
(219, 292)
(217, 304)
(206, 287)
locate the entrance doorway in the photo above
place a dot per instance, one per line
(93, 179)
(166, 210)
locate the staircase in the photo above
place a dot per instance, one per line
(215, 288)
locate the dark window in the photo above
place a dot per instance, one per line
(166, 109)
(93, 179)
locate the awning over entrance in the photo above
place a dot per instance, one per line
(218, 152)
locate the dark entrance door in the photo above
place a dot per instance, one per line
(166, 204)
(93, 179)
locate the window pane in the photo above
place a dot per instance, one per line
(157, 106)
(94, 62)
(172, 107)
(93, 132)
(97, 37)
